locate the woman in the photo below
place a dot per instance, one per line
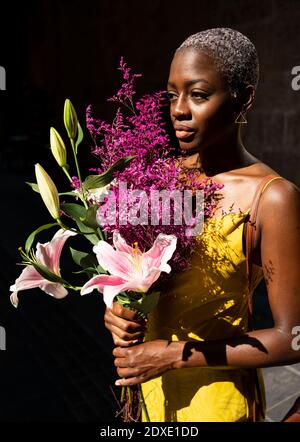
(199, 360)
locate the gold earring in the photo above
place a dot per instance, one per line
(241, 119)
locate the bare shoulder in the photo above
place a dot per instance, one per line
(259, 170)
(279, 191)
(241, 184)
(280, 199)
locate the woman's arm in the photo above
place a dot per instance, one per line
(279, 223)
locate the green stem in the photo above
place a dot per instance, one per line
(65, 169)
(123, 391)
(72, 287)
(129, 393)
(142, 400)
(78, 172)
(72, 229)
(100, 234)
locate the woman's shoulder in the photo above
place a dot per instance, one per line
(240, 186)
(255, 171)
(280, 197)
(275, 189)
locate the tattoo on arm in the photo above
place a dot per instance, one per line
(269, 271)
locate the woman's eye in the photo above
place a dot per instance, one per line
(198, 94)
(171, 96)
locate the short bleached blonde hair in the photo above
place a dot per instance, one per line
(233, 53)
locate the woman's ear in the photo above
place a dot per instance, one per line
(247, 97)
(244, 99)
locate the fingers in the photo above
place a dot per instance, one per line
(120, 352)
(120, 342)
(125, 368)
(129, 381)
(126, 373)
(126, 324)
(125, 313)
(125, 332)
(123, 340)
(127, 327)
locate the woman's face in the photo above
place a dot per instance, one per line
(202, 110)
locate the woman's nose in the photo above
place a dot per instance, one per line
(180, 108)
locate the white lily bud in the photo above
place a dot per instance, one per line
(70, 119)
(58, 148)
(48, 191)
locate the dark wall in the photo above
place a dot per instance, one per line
(57, 365)
(55, 49)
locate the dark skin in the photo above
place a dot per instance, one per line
(207, 109)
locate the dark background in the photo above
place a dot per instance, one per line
(58, 364)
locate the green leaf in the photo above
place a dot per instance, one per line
(88, 232)
(76, 211)
(50, 276)
(90, 271)
(69, 194)
(87, 261)
(101, 270)
(98, 181)
(93, 270)
(142, 303)
(34, 186)
(90, 217)
(146, 303)
(31, 237)
(79, 137)
(83, 259)
(102, 233)
(123, 299)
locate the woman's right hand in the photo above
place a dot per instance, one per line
(125, 325)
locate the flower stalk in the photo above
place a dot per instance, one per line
(71, 125)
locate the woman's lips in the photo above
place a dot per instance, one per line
(184, 134)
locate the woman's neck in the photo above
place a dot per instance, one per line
(219, 159)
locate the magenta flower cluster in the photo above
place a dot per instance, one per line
(75, 183)
(139, 130)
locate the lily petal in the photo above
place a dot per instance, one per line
(54, 289)
(49, 253)
(120, 244)
(28, 279)
(129, 268)
(109, 285)
(116, 263)
(14, 299)
(109, 292)
(99, 282)
(143, 284)
(165, 268)
(161, 251)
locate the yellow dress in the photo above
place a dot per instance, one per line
(208, 301)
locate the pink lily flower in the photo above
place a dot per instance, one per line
(47, 254)
(129, 268)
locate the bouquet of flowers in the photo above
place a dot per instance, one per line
(139, 210)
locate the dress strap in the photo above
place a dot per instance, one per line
(256, 403)
(251, 227)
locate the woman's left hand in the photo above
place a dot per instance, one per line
(146, 361)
